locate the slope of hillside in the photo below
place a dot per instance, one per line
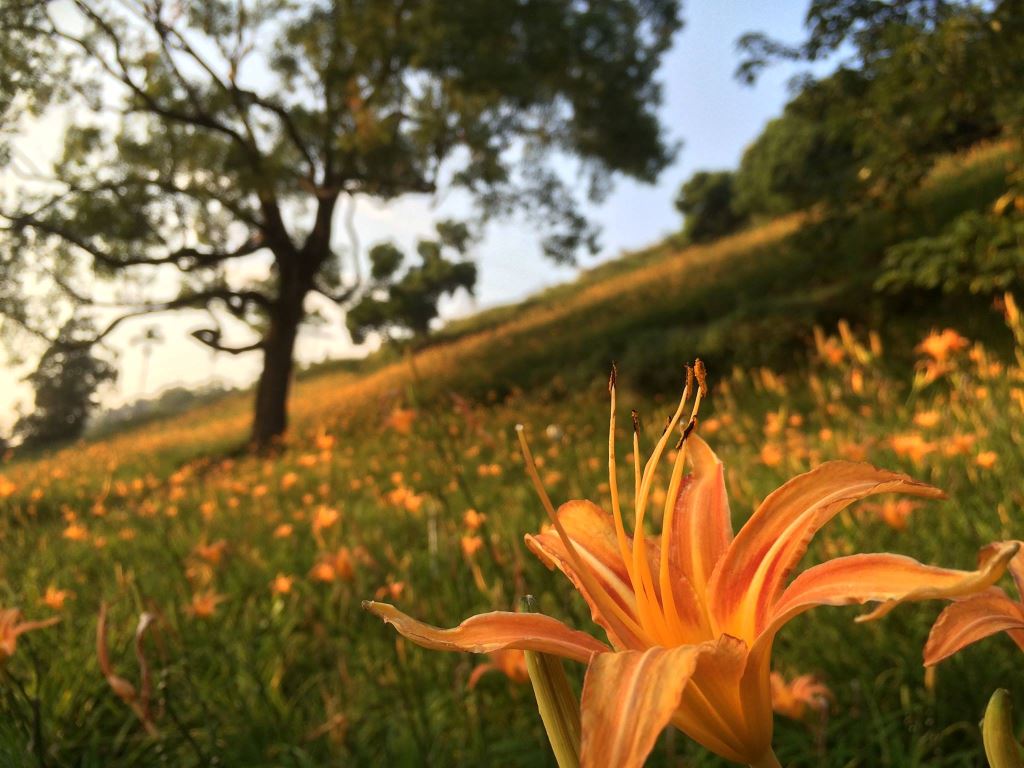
(403, 483)
(749, 299)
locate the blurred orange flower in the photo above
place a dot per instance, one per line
(471, 545)
(204, 604)
(282, 585)
(511, 663)
(12, 627)
(911, 445)
(324, 517)
(986, 459)
(941, 345)
(401, 420)
(211, 553)
(793, 698)
(54, 598)
(76, 532)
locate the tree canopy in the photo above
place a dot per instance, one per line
(405, 301)
(706, 200)
(916, 79)
(221, 132)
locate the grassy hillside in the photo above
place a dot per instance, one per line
(254, 567)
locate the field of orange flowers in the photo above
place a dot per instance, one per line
(163, 604)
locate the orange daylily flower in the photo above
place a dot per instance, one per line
(401, 420)
(204, 604)
(941, 345)
(691, 615)
(979, 616)
(324, 517)
(211, 553)
(471, 545)
(793, 698)
(473, 519)
(511, 663)
(986, 459)
(54, 598)
(12, 627)
(282, 585)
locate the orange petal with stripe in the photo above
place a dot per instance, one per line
(751, 574)
(628, 699)
(885, 578)
(490, 632)
(701, 524)
(973, 619)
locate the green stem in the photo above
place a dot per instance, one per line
(767, 760)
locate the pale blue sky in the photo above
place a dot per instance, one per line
(714, 116)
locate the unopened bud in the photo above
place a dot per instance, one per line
(1001, 747)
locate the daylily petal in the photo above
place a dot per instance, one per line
(701, 524)
(972, 619)
(1016, 567)
(592, 531)
(882, 577)
(490, 632)
(727, 706)
(992, 563)
(628, 699)
(754, 569)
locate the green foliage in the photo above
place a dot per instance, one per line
(978, 253)
(918, 79)
(806, 156)
(28, 77)
(706, 202)
(66, 383)
(408, 303)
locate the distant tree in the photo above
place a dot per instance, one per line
(66, 383)
(406, 301)
(806, 156)
(706, 200)
(228, 130)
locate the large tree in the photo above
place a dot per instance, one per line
(224, 131)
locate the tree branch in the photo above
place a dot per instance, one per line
(186, 258)
(211, 338)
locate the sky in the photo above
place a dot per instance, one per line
(713, 115)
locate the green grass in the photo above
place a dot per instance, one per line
(309, 679)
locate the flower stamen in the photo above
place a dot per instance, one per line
(604, 600)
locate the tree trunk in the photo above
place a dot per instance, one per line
(270, 418)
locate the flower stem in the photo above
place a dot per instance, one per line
(767, 760)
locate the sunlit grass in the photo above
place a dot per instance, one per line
(255, 567)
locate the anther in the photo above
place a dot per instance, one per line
(702, 375)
